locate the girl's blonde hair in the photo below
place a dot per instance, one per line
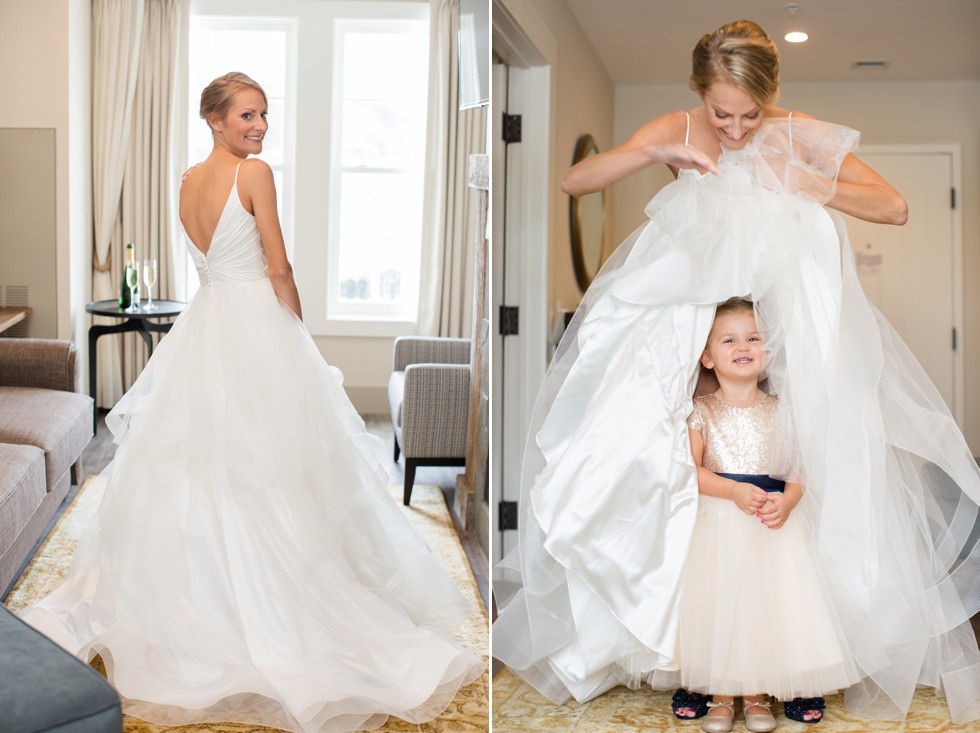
(737, 304)
(218, 95)
(740, 54)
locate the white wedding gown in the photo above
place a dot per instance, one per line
(591, 596)
(247, 563)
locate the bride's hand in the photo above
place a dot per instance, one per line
(681, 156)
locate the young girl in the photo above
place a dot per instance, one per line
(755, 616)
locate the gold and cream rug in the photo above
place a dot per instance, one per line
(518, 708)
(468, 712)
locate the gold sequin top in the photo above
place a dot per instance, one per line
(736, 439)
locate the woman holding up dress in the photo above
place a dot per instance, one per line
(247, 563)
(591, 597)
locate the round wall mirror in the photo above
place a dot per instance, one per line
(587, 222)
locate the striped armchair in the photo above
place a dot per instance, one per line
(429, 396)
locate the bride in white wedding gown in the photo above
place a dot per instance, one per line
(591, 596)
(247, 563)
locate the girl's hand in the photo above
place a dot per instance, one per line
(776, 510)
(748, 497)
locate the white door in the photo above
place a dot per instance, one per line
(913, 273)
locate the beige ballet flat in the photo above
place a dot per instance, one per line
(759, 722)
(719, 723)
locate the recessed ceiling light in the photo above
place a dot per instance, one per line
(796, 37)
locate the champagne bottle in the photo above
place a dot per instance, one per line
(125, 294)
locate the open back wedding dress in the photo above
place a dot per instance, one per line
(247, 563)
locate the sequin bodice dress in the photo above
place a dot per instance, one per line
(739, 571)
(736, 439)
(247, 563)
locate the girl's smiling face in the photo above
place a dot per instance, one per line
(732, 113)
(734, 348)
(243, 128)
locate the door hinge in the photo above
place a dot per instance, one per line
(508, 320)
(952, 198)
(507, 515)
(954, 339)
(511, 128)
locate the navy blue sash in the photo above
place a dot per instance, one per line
(766, 483)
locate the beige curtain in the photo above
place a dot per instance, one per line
(117, 30)
(144, 195)
(448, 257)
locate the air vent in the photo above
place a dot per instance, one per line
(16, 295)
(870, 65)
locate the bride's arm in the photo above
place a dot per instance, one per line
(257, 184)
(863, 193)
(652, 143)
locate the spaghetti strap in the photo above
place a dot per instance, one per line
(236, 172)
(687, 132)
(790, 128)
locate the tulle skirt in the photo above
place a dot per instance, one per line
(247, 563)
(756, 614)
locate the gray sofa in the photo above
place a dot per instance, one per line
(43, 688)
(45, 423)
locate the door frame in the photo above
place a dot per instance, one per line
(527, 47)
(954, 150)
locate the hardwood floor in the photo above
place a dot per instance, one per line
(101, 450)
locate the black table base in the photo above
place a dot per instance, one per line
(137, 321)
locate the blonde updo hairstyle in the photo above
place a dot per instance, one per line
(217, 96)
(740, 54)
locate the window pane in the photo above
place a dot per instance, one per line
(259, 54)
(385, 65)
(375, 271)
(377, 134)
(380, 204)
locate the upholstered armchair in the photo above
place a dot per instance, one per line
(429, 396)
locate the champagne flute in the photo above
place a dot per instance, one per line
(150, 278)
(132, 280)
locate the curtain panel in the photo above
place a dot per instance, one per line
(453, 211)
(136, 47)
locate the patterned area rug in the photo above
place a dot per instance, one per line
(518, 707)
(428, 514)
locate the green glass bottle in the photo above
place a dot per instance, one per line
(129, 261)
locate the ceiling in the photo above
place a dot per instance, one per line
(650, 41)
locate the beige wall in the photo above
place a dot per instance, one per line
(583, 104)
(44, 51)
(885, 113)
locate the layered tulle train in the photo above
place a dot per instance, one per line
(247, 563)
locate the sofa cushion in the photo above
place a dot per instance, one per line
(22, 489)
(44, 688)
(59, 423)
(396, 393)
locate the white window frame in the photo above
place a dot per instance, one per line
(339, 313)
(310, 140)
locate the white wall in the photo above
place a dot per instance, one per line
(44, 52)
(885, 113)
